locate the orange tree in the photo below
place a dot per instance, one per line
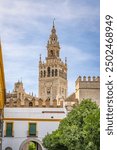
(80, 130)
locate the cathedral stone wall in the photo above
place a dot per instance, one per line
(19, 98)
(88, 88)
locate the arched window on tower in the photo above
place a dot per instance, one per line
(51, 52)
(56, 72)
(30, 104)
(52, 73)
(41, 74)
(48, 71)
(44, 73)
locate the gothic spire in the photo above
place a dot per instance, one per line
(66, 60)
(53, 22)
(40, 58)
(53, 35)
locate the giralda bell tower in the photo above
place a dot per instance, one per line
(53, 72)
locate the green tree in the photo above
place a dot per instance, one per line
(32, 146)
(80, 130)
(52, 141)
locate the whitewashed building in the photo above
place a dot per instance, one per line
(23, 125)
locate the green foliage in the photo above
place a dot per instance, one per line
(80, 130)
(32, 146)
(52, 141)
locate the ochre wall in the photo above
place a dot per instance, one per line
(2, 81)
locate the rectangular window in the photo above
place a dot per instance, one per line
(32, 129)
(9, 129)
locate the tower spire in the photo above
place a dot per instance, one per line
(53, 28)
(53, 22)
(66, 60)
(40, 58)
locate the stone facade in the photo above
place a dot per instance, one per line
(19, 98)
(88, 88)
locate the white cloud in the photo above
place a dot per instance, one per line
(76, 54)
(21, 17)
(26, 11)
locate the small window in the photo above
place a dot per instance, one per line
(48, 91)
(52, 73)
(56, 72)
(30, 104)
(51, 52)
(48, 71)
(9, 129)
(44, 73)
(32, 129)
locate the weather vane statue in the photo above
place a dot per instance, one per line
(53, 21)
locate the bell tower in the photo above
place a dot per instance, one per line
(53, 72)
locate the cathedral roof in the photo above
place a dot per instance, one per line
(71, 98)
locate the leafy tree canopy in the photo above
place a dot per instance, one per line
(80, 130)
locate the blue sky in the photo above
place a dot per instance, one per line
(25, 26)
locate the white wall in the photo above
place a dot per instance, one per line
(34, 113)
(21, 126)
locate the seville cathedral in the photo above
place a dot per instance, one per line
(25, 118)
